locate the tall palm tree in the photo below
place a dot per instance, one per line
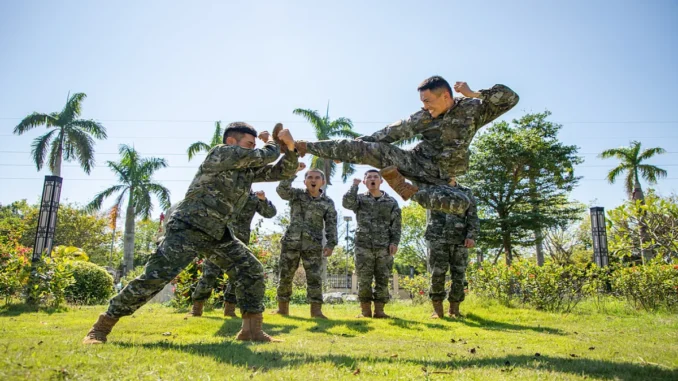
(135, 177)
(69, 139)
(197, 147)
(632, 164)
(326, 129)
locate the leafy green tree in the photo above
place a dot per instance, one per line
(197, 147)
(135, 177)
(69, 138)
(413, 250)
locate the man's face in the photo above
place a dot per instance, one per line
(313, 181)
(246, 141)
(436, 102)
(372, 181)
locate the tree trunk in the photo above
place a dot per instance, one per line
(506, 243)
(128, 241)
(646, 253)
(538, 234)
(60, 152)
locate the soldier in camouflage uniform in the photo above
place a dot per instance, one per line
(446, 126)
(211, 273)
(376, 241)
(200, 224)
(311, 211)
(449, 236)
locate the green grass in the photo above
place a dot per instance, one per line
(616, 345)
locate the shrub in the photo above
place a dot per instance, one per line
(92, 284)
(417, 286)
(649, 287)
(47, 282)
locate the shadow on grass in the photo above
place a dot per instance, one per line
(240, 354)
(323, 325)
(18, 309)
(473, 320)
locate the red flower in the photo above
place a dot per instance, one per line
(421, 292)
(675, 267)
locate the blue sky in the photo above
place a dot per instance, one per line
(159, 73)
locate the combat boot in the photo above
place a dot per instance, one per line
(398, 183)
(438, 312)
(229, 309)
(283, 308)
(256, 322)
(379, 311)
(196, 310)
(316, 311)
(454, 310)
(100, 329)
(301, 147)
(278, 127)
(366, 310)
(245, 333)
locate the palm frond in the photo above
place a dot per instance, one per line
(162, 193)
(345, 133)
(621, 153)
(148, 166)
(316, 121)
(630, 183)
(34, 120)
(650, 152)
(39, 148)
(651, 173)
(95, 204)
(54, 151)
(341, 124)
(72, 109)
(196, 148)
(217, 137)
(83, 146)
(347, 169)
(143, 206)
(92, 127)
(614, 173)
(121, 171)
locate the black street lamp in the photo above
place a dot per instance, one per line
(599, 235)
(44, 237)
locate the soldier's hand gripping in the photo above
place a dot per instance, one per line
(265, 136)
(463, 89)
(327, 252)
(301, 167)
(392, 249)
(261, 195)
(357, 181)
(285, 136)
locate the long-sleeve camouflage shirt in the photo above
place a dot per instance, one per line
(242, 225)
(308, 216)
(222, 184)
(446, 138)
(379, 219)
(451, 228)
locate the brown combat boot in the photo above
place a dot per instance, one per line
(100, 329)
(301, 147)
(229, 309)
(398, 183)
(316, 311)
(454, 310)
(196, 310)
(256, 332)
(366, 310)
(245, 333)
(278, 127)
(379, 311)
(438, 312)
(283, 308)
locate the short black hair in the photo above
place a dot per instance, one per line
(372, 171)
(322, 174)
(238, 129)
(435, 83)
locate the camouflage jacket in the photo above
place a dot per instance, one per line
(451, 228)
(379, 220)
(446, 139)
(222, 185)
(241, 227)
(308, 216)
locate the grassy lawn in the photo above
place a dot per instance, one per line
(492, 342)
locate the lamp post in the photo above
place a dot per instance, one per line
(49, 205)
(347, 219)
(599, 236)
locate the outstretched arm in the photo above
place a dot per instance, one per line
(224, 157)
(283, 169)
(495, 101)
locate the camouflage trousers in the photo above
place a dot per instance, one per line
(374, 264)
(443, 256)
(182, 243)
(289, 262)
(209, 279)
(414, 165)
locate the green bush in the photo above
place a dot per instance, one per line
(13, 277)
(47, 282)
(649, 287)
(93, 284)
(417, 286)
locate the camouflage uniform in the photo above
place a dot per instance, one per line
(241, 230)
(379, 225)
(303, 239)
(445, 235)
(199, 225)
(442, 153)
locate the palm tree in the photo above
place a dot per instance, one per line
(70, 138)
(632, 163)
(135, 177)
(326, 129)
(198, 147)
